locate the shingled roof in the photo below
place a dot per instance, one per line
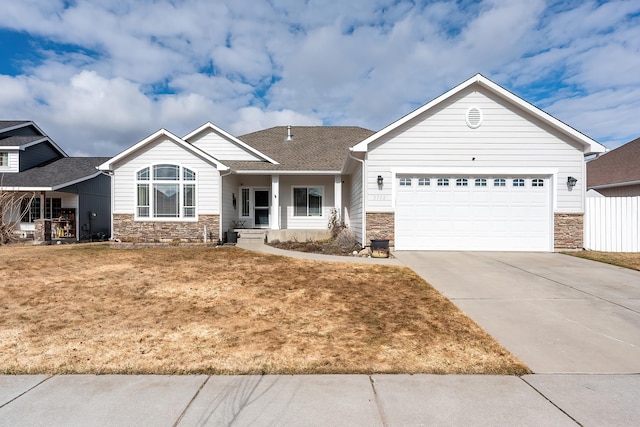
(19, 141)
(618, 166)
(4, 124)
(312, 148)
(55, 175)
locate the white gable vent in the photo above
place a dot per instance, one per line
(474, 117)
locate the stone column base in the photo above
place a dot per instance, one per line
(381, 226)
(127, 229)
(568, 230)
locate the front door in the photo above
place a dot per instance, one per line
(261, 208)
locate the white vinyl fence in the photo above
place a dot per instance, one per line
(612, 224)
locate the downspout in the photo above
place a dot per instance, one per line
(364, 197)
(221, 204)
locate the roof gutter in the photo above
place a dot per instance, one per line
(618, 184)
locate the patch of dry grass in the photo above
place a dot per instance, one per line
(176, 310)
(622, 259)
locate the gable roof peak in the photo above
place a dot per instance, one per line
(589, 145)
(227, 135)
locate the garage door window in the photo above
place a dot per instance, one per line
(462, 182)
(424, 182)
(443, 182)
(537, 182)
(481, 182)
(499, 182)
(405, 182)
(518, 182)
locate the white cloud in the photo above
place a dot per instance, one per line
(124, 69)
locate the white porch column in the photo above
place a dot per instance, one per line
(275, 202)
(337, 194)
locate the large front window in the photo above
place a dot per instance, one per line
(166, 191)
(30, 207)
(307, 201)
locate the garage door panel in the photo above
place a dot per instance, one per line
(473, 218)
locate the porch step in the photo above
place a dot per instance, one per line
(248, 235)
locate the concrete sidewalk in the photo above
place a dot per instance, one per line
(320, 400)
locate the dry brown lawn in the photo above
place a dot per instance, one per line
(177, 310)
(621, 259)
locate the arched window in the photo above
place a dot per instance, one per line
(165, 191)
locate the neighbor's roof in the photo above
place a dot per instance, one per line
(19, 141)
(23, 141)
(4, 124)
(619, 166)
(312, 148)
(589, 145)
(58, 174)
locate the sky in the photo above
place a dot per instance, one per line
(100, 75)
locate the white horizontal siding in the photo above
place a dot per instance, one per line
(220, 147)
(506, 139)
(168, 152)
(286, 202)
(355, 208)
(230, 187)
(13, 162)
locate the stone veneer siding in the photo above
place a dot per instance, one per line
(127, 229)
(381, 225)
(568, 230)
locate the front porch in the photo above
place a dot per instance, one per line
(283, 207)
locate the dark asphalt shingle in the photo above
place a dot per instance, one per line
(616, 166)
(18, 141)
(313, 148)
(4, 124)
(61, 171)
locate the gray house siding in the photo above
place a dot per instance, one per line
(37, 155)
(94, 197)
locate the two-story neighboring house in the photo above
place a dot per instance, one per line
(69, 192)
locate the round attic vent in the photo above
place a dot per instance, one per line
(474, 117)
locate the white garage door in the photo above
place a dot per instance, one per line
(502, 213)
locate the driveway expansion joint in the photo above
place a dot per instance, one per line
(383, 419)
(550, 401)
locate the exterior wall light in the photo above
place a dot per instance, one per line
(380, 181)
(571, 182)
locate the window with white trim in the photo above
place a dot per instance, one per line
(518, 182)
(443, 182)
(537, 182)
(307, 201)
(499, 182)
(422, 182)
(462, 182)
(405, 182)
(165, 191)
(481, 182)
(30, 208)
(4, 159)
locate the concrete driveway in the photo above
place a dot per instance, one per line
(557, 313)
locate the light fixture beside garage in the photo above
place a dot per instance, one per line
(380, 181)
(571, 182)
(474, 117)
